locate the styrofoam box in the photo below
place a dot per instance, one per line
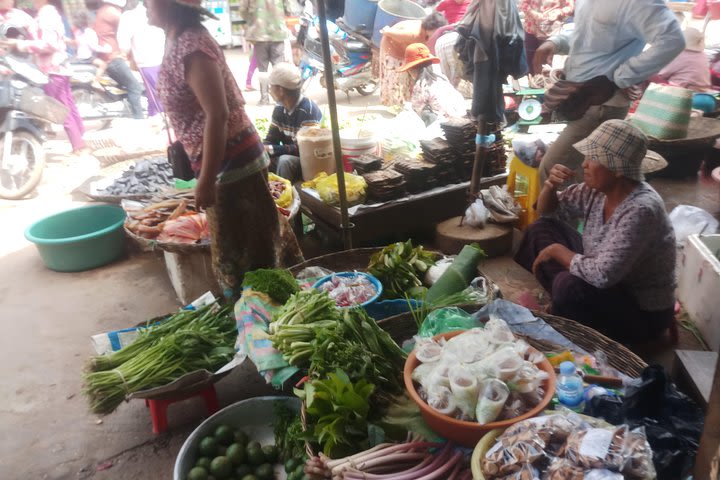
(191, 274)
(699, 285)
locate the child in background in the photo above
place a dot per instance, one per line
(88, 44)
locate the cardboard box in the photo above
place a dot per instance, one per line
(699, 285)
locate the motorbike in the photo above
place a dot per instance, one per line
(101, 100)
(26, 117)
(351, 56)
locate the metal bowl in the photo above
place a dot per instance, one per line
(254, 416)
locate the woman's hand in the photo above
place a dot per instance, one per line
(544, 55)
(205, 192)
(558, 176)
(557, 252)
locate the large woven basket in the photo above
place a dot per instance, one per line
(403, 327)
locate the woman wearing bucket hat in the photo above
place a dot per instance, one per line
(433, 96)
(619, 276)
(207, 112)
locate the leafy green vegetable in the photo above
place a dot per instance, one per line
(363, 350)
(400, 268)
(197, 345)
(295, 325)
(289, 434)
(339, 409)
(278, 284)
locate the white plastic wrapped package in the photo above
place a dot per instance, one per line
(466, 389)
(493, 394)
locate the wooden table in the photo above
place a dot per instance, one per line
(695, 370)
(374, 222)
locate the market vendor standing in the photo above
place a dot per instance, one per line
(395, 85)
(433, 97)
(608, 44)
(207, 112)
(293, 111)
(619, 277)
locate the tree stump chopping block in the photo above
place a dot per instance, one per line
(494, 239)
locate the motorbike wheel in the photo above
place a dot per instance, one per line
(20, 174)
(368, 89)
(95, 100)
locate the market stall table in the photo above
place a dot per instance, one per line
(376, 221)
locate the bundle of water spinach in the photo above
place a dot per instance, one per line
(187, 341)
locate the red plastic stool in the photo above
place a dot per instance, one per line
(158, 408)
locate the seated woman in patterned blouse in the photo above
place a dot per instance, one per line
(619, 277)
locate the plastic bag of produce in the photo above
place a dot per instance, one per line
(281, 189)
(327, 188)
(447, 320)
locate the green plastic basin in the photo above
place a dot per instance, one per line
(81, 238)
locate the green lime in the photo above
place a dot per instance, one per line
(264, 472)
(253, 445)
(221, 467)
(300, 470)
(208, 447)
(203, 462)
(291, 464)
(249, 477)
(236, 454)
(271, 453)
(241, 437)
(243, 470)
(255, 456)
(197, 473)
(224, 435)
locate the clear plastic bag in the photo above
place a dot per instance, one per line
(597, 448)
(476, 215)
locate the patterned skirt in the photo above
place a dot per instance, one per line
(395, 87)
(247, 232)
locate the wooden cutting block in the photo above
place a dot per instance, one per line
(494, 239)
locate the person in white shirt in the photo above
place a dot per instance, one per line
(146, 45)
(87, 44)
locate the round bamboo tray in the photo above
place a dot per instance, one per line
(403, 327)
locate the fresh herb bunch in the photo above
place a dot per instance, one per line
(363, 350)
(289, 434)
(278, 284)
(339, 409)
(400, 267)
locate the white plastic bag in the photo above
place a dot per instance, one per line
(477, 214)
(687, 220)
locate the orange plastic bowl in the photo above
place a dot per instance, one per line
(465, 433)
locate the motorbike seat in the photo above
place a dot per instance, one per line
(356, 47)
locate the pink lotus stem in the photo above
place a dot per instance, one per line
(455, 475)
(441, 471)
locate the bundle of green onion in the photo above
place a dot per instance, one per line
(184, 343)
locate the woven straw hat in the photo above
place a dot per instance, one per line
(664, 112)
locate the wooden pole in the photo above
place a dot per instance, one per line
(708, 456)
(332, 106)
(481, 149)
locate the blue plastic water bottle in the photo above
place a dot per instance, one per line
(570, 386)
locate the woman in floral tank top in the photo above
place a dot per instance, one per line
(206, 109)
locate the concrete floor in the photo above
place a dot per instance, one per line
(48, 319)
